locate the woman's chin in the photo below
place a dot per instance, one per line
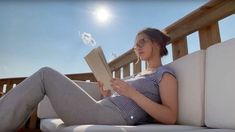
(142, 58)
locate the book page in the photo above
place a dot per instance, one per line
(101, 53)
(97, 63)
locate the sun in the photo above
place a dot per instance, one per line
(102, 14)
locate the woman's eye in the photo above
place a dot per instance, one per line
(142, 41)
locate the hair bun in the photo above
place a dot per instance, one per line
(166, 38)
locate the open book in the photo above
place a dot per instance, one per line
(99, 66)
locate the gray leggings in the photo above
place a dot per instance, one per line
(72, 104)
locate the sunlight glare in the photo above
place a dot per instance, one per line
(102, 14)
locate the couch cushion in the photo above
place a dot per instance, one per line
(58, 126)
(190, 75)
(220, 85)
(91, 88)
(211, 130)
(45, 109)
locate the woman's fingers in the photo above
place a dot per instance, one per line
(115, 81)
(108, 93)
(105, 93)
(118, 82)
(117, 87)
(100, 85)
(121, 87)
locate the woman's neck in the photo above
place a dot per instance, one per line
(151, 66)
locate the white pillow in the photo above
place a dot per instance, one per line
(220, 85)
(190, 75)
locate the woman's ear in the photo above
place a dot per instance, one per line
(156, 45)
(156, 48)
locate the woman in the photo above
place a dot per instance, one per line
(151, 94)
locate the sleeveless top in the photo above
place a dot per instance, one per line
(148, 85)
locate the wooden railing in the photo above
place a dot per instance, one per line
(204, 20)
(7, 84)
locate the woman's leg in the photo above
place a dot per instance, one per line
(72, 104)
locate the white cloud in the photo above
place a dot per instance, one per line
(87, 39)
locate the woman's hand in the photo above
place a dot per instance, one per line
(122, 88)
(105, 93)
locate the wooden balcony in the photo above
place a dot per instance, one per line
(204, 20)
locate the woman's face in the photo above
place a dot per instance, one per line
(143, 46)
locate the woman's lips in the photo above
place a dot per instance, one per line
(141, 53)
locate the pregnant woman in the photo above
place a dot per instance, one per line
(150, 96)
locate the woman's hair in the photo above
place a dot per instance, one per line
(157, 36)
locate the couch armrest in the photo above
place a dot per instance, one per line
(45, 109)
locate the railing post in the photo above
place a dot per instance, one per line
(9, 86)
(179, 48)
(137, 67)
(209, 35)
(126, 70)
(118, 73)
(1, 88)
(33, 119)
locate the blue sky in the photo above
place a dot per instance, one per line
(48, 33)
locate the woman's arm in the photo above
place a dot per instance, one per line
(167, 111)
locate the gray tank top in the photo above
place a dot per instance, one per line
(148, 85)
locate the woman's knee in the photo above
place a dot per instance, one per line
(46, 70)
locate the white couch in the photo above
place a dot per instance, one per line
(206, 81)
